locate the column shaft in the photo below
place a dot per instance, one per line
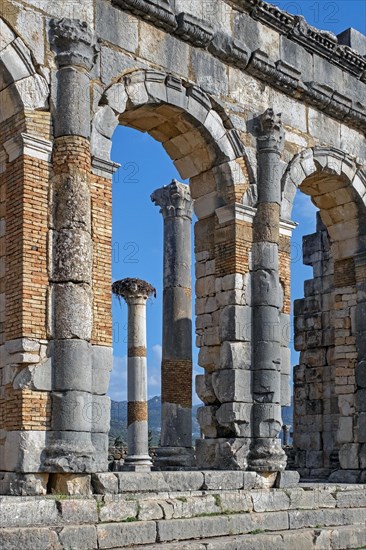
(176, 375)
(266, 454)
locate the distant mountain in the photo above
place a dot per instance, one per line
(119, 420)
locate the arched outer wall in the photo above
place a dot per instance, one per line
(127, 43)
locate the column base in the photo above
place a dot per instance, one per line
(174, 458)
(267, 455)
(70, 452)
(137, 463)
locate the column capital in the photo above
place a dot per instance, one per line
(132, 290)
(270, 130)
(174, 200)
(74, 43)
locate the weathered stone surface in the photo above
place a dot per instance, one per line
(16, 484)
(70, 484)
(232, 385)
(222, 454)
(72, 365)
(117, 508)
(104, 484)
(126, 534)
(204, 388)
(102, 363)
(29, 538)
(27, 512)
(287, 479)
(78, 511)
(73, 304)
(235, 355)
(235, 323)
(81, 536)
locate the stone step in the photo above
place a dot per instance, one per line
(339, 538)
(215, 519)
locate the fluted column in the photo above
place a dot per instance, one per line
(135, 292)
(70, 447)
(266, 453)
(176, 373)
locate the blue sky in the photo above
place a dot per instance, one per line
(138, 225)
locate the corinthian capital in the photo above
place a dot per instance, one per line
(74, 43)
(270, 129)
(174, 200)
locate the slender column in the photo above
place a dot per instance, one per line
(70, 447)
(135, 292)
(266, 454)
(176, 372)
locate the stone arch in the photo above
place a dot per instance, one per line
(204, 147)
(21, 86)
(329, 321)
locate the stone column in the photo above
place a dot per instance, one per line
(176, 372)
(135, 292)
(70, 446)
(266, 454)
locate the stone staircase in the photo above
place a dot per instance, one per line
(188, 510)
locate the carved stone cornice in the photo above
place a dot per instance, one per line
(30, 146)
(174, 200)
(193, 30)
(158, 12)
(74, 43)
(270, 133)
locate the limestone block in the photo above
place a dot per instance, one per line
(72, 411)
(116, 97)
(105, 121)
(361, 400)
(100, 444)
(102, 364)
(17, 60)
(23, 451)
(236, 355)
(36, 377)
(265, 289)
(268, 355)
(349, 456)
(99, 413)
(286, 390)
(344, 476)
(155, 44)
(236, 323)
(23, 484)
(116, 26)
(72, 203)
(204, 389)
(267, 327)
(345, 430)
(72, 365)
(112, 535)
(104, 484)
(71, 111)
(209, 73)
(267, 421)
(150, 510)
(287, 479)
(265, 256)
(222, 454)
(114, 63)
(209, 358)
(6, 35)
(206, 417)
(73, 304)
(82, 536)
(74, 510)
(73, 485)
(183, 481)
(23, 512)
(236, 417)
(223, 481)
(232, 385)
(100, 146)
(267, 387)
(117, 508)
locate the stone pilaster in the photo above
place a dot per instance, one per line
(71, 446)
(176, 378)
(135, 292)
(266, 454)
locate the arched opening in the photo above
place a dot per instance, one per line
(204, 151)
(328, 322)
